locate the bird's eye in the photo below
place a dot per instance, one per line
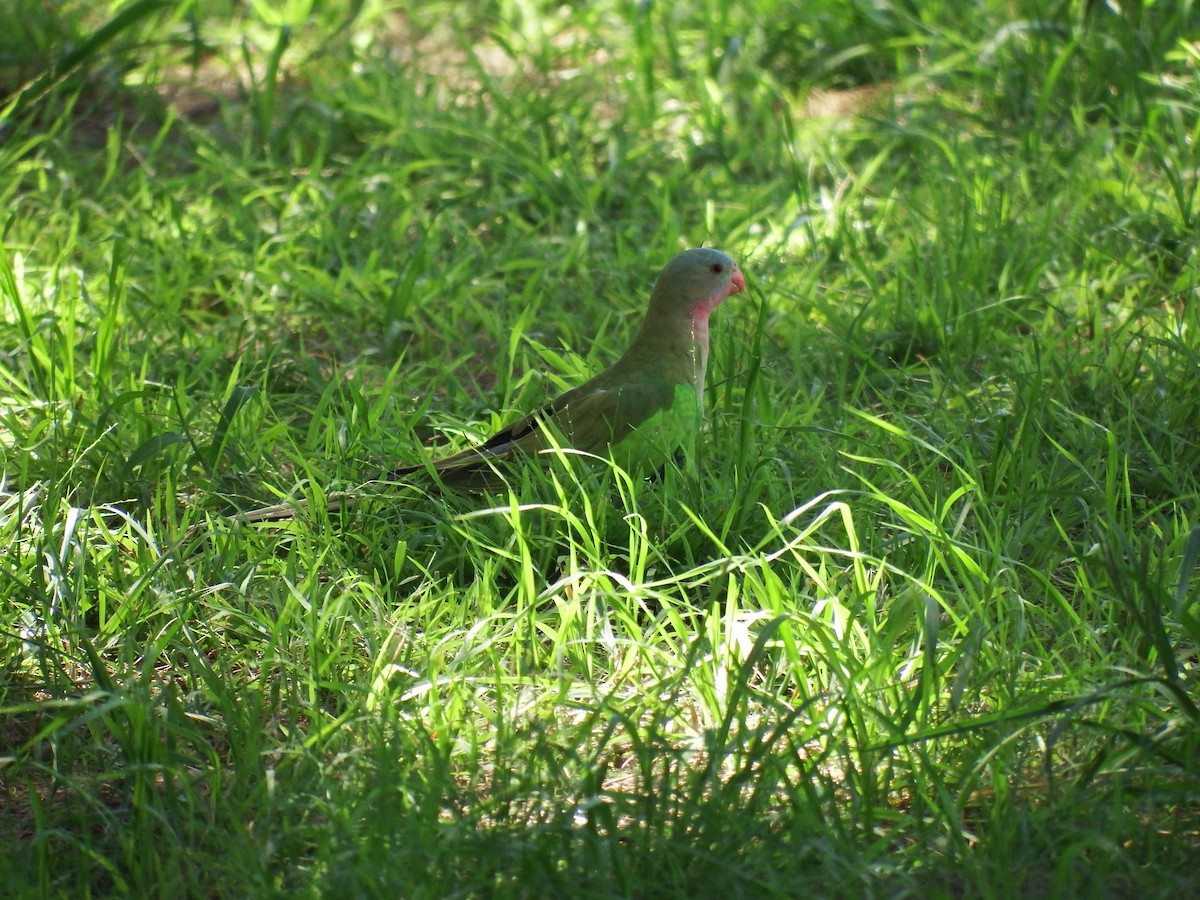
(716, 268)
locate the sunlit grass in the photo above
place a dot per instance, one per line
(921, 619)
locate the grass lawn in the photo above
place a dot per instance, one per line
(924, 618)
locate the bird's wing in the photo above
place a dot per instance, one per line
(590, 418)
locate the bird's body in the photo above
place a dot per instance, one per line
(643, 407)
(640, 410)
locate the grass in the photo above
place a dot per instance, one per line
(922, 622)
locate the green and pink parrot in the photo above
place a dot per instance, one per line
(641, 410)
(643, 407)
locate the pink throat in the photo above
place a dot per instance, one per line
(702, 310)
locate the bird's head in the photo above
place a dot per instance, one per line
(694, 282)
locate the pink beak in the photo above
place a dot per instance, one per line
(738, 282)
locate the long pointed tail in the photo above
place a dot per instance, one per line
(281, 512)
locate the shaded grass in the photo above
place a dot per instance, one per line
(922, 620)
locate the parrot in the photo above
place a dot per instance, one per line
(640, 411)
